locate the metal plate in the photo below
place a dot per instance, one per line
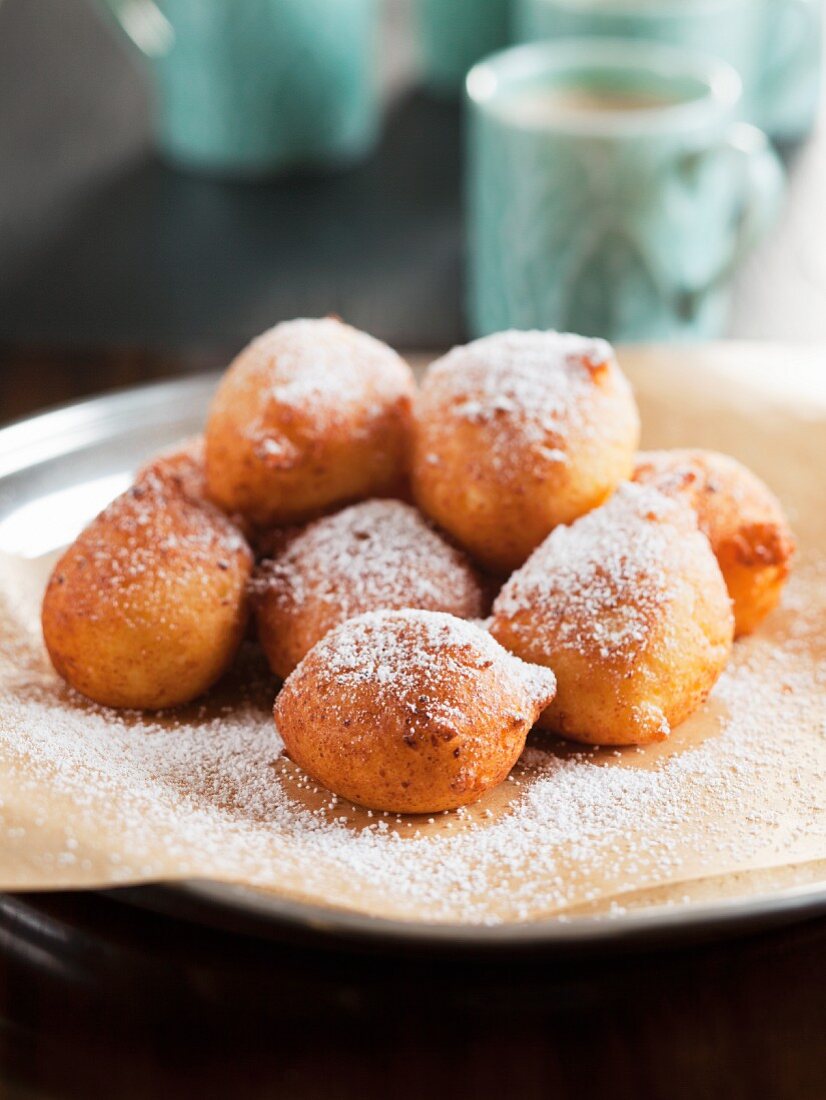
(58, 469)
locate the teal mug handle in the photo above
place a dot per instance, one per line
(750, 154)
(143, 22)
(763, 187)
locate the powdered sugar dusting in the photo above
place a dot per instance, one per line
(544, 383)
(312, 360)
(604, 580)
(378, 554)
(148, 547)
(322, 370)
(394, 651)
(181, 467)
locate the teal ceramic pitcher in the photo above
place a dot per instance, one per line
(610, 190)
(254, 86)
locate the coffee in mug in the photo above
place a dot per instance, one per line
(542, 106)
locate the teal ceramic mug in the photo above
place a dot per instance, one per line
(775, 45)
(253, 86)
(455, 34)
(611, 190)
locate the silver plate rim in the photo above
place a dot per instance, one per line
(658, 924)
(58, 432)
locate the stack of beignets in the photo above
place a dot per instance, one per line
(619, 598)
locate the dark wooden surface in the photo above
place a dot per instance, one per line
(36, 377)
(98, 1000)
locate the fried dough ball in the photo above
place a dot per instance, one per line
(380, 554)
(410, 711)
(147, 608)
(181, 466)
(310, 415)
(742, 518)
(516, 433)
(629, 608)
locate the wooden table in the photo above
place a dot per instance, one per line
(99, 1000)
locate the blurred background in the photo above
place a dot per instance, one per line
(105, 243)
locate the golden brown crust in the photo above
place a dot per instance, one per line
(310, 415)
(181, 467)
(409, 711)
(380, 554)
(147, 608)
(517, 433)
(742, 518)
(629, 608)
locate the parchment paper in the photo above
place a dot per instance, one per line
(734, 802)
